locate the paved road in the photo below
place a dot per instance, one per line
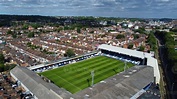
(41, 59)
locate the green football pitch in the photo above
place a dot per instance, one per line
(77, 76)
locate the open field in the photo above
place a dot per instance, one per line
(76, 77)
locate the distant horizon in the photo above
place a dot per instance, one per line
(85, 16)
(97, 8)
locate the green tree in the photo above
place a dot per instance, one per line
(69, 53)
(130, 46)
(78, 30)
(14, 35)
(1, 67)
(173, 30)
(9, 32)
(141, 48)
(152, 41)
(9, 67)
(60, 29)
(136, 36)
(31, 34)
(35, 26)
(67, 28)
(141, 30)
(91, 32)
(170, 53)
(28, 44)
(120, 36)
(2, 59)
(25, 26)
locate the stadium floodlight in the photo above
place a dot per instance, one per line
(55, 55)
(144, 58)
(92, 74)
(125, 66)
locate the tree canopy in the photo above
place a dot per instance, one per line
(169, 44)
(141, 48)
(2, 61)
(130, 46)
(31, 34)
(69, 53)
(140, 30)
(152, 41)
(78, 30)
(120, 36)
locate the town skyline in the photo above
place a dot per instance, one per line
(97, 8)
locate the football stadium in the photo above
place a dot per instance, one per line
(76, 77)
(108, 73)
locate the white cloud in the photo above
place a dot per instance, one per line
(163, 0)
(89, 7)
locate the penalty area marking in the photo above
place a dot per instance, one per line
(68, 82)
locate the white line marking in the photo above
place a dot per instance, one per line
(68, 82)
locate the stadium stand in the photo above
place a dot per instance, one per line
(48, 66)
(125, 85)
(36, 86)
(128, 55)
(122, 86)
(136, 57)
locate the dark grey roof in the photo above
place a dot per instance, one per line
(152, 93)
(121, 86)
(37, 86)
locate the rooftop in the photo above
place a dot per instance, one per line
(120, 50)
(151, 61)
(121, 86)
(37, 86)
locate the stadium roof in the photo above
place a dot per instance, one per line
(63, 60)
(120, 50)
(151, 61)
(34, 83)
(121, 86)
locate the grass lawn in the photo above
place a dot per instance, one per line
(76, 77)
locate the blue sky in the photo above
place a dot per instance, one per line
(108, 8)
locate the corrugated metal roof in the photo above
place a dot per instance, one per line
(34, 83)
(120, 50)
(121, 86)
